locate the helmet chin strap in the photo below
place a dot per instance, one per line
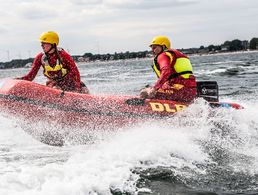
(164, 48)
(52, 47)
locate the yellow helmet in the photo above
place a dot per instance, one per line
(49, 37)
(161, 40)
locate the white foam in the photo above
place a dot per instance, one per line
(37, 169)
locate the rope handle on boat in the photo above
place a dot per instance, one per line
(136, 101)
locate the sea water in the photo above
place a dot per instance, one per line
(192, 153)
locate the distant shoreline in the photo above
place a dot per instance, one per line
(234, 46)
(225, 53)
(19, 63)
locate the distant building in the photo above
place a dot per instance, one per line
(189, 51)
(28, 65)
(245, 44)
(83, 59)
(203, 51)
(224, 48)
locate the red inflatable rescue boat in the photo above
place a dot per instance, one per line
(33, 102)
(41, 108)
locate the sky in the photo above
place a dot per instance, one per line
(109, 26)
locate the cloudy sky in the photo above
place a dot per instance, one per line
(108, 26)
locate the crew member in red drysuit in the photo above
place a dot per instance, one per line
(58, 65)
(174, 70)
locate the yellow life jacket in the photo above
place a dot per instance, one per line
(53, 71)
(182, 65)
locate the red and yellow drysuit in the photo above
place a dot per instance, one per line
(61, 70)
(175, 77)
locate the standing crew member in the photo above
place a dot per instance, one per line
(58, 65)
(174, 71)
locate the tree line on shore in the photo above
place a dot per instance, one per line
(227, 46)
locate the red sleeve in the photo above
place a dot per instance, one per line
(165, 70)
(35, 68)
(73, 72)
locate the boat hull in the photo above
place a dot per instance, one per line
(34, 103)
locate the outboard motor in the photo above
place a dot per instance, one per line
(208, 90)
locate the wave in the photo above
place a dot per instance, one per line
(216, 147)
